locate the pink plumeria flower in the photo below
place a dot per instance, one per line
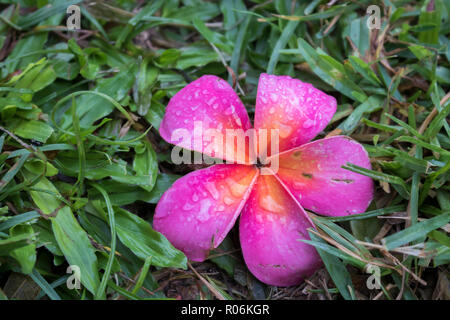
(198, 211)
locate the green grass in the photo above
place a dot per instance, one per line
(82, 164)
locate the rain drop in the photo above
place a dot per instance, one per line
(188, 207)
(211, 187)
(285, 130)
(203, 213)
(274, 97)
(228, 201)
(308, 123)
(230, 110)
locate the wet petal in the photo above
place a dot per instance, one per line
(314, 175)
(198, 116)
(270, 227)
(197, 212)
(297, 109)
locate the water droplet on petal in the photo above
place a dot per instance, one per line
(188, 206)
(203, 213)
(299, 184)
(237, 119)
(230, 110)
(236, 189)
(285, 130)
(268, 203)
(221, 84)
(308, 123)
(228, 201)
(274, 97)
(211, 187)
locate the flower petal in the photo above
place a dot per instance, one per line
(197, 212)
(201, 112)
(314, 175)
(270, 227)
(297, 109)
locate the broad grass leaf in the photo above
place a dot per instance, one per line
(33, 129)
(26, 255)
(139, 237)
(330, 71)
(77, 248)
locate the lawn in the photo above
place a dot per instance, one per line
(84, 87)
